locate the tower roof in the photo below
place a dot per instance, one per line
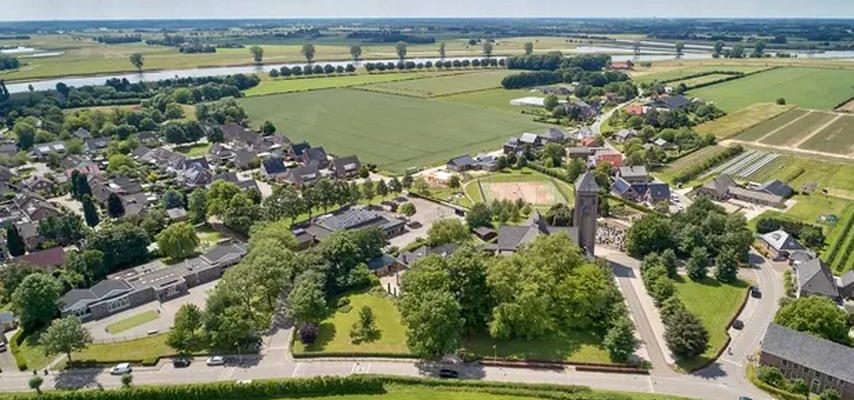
(586, 183)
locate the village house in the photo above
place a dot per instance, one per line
(623, 135)
(670, 102)
(781, 245)
(345, 167)
(273, 168)
(634, 174)
(42, 150)
(815, 279)
(296, 149)
(408, 258)
(46, 260)
(302, 175)
(315, 155)
(822, 364)
(460, 164)
(723, 188)
(353, 218)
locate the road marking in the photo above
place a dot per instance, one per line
(728, 361)
(296, 368)
(649, 381)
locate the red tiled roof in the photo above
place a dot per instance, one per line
(616, 160)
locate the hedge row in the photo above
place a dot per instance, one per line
(777, 392)
(699, 74)
(527, 79)
(16, 341)
(691, 172)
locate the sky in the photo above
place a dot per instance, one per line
(16, 10)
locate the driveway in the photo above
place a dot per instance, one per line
(7, 360)
(198, 295)
(426, 212)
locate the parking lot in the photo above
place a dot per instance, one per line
(426, 212)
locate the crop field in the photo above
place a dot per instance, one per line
(530, 186)
(443, 85)
(677, 166)
(288, 85)
(816, 88)
(393, 132)
(837, 138)
(495, 99)
(701, 80)
(838, 252)
(798, 129)
(780, 121)
(739, 121)
(670, 74)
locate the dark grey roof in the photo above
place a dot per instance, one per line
(554, 134)
(462, 161)
(224, 253)
(346, 164)
(634, 171)
(673, 102)
(316, 154)
(847, 279)
(410, 257)
(815, 278)
(720, 184)
(228, 176)
(587, 183)
(304, 173)
(781, 240)
(273, 166)
(813, 352)
(348, 219)
(299, 148)
(777, 187)
(658, 191)
(107, 288)
(380, 262)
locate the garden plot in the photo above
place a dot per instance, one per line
(744, 165)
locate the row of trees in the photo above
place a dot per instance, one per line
(327, 69)
(543, 289)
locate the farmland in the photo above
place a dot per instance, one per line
(673, 74)
(496, 99)
(666, 174)
(288, 85)
(701, 80)
(806, 87)
(738, 121)
(816, 132)
(443, 85)
(393, 132)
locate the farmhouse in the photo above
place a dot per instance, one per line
(723, 188)
(154, 281)
(822, 364)
(780, 244)
(669, 103)
(460, 164)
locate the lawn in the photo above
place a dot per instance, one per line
(837, 138)
(132, 322)
(33, 352)
(443, 85)
(394, 132)
(715, 304)
(334, 332)
(738, 121)
(493, 99)
(147, 349)
(569, 346)
(806, 87)
(195, 149)
(809, 208)
(287, 85)
(208, 237)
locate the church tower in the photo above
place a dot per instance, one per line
(586, 211)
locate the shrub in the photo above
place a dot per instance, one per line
(308, 332)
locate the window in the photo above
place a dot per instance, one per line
(117, 304)
(785, 363)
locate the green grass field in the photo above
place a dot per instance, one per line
(674, 74)
(840, 242)
(494, 99)
(666, 174)
(132, 322)
(738, 121)
(715, 304)
(194, 150)
(701, 80)
(806, 87)
(334, 332)
(569, 346)
(443, 85)
(799, 129)
(393, 132)
(758, 131)
(146, 349)
(809, 208)
(33, 352)
(288, 85)
(837, 138)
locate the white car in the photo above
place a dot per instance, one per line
(121, 369)
(215, 361)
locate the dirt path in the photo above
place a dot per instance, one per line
(788, 150)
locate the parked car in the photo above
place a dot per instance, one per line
(737, 324)
(2, 346)
(121, 369)
(448, 373)
(215, 361)
(755, 293)
(181, 362)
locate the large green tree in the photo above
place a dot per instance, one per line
(400, 48)
(65, 336)
(122, 244)
(178, 241)
(14, 242)
(816, 315)
(450, 230)
(307, 301)
(90, 212)
(257, 53)
(650, 233)
(685, 335)
(186, 333)
(115, 207)
(620, 341)
(138, 60)
(34, 301)
(308, 52)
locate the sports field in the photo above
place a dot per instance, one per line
(816, 88)
(443, 85)
(394, 132)
(531, 186)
